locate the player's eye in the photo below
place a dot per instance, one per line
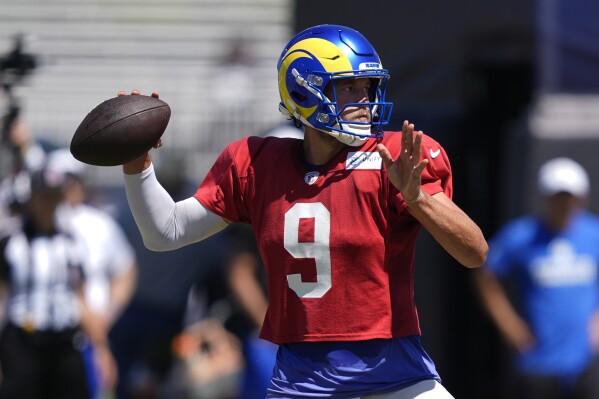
(346, 87)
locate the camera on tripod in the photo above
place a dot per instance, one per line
(15, 65)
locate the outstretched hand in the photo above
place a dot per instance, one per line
(406, 170)
(144, 161)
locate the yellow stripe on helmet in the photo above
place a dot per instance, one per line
(327, 53)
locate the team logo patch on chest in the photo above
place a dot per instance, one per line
(311, 177)
(364, 160)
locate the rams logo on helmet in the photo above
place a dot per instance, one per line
(316, 57)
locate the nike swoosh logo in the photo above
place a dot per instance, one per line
(434, 154)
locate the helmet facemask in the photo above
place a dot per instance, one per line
(356, 132)
(328, 116)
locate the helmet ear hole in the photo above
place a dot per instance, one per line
(298, 97)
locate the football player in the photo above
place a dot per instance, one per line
(336, 217)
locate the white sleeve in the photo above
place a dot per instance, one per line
(164, 224)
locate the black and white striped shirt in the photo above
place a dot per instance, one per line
(43, 274)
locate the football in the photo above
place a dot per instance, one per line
(120, 130)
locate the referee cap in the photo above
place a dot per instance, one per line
(62, 161)
(563, 174)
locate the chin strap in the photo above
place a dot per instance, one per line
(349, 139)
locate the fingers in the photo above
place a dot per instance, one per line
(411, 145)
(416, 153)
(417, 146)
(121, 93)
(388, 159)
(418, 170)
(385, 154)
(133, 93)
(407, 137)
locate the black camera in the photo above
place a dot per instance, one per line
(16, 64)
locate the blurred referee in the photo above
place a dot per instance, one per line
(40, 277)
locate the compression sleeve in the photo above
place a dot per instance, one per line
(165, 224)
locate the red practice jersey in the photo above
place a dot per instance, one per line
(336, 242)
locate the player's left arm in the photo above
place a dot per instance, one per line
(455, 231)
(452, 228)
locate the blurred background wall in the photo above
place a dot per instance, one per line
(87, 50)
(502, 84)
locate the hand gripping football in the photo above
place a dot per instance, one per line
(120, 130)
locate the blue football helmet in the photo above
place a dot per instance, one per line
(315, 58)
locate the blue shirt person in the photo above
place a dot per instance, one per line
(552, 320)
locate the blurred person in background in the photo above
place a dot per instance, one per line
(156, 314)
(19, 153)
(336, 216)
(235, 97)
(18, 149)
(247, 281)
(209, 363)
(231, 301)
(46, 313)
(551, 316)
(110, 264)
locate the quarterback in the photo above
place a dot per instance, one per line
(336, 217)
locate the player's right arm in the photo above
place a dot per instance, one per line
(165, 224)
